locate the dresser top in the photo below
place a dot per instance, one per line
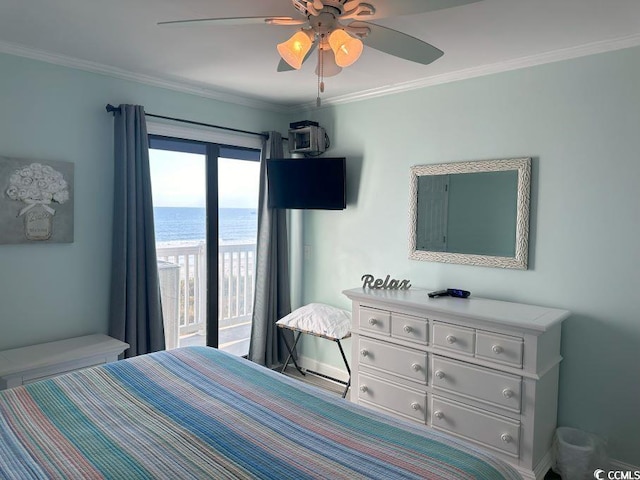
(517, 315)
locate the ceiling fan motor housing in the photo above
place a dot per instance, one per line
(324, 23)
(310, 7)
(349, 9)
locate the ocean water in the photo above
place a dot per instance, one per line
(176, 224)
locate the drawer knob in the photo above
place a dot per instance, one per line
(364, 352)
(507, 392)
(439, 374)
(497, 349)
(506, 438)
(451, 339)
(372, 321)
(416, 367)
(364, 389)
(415, 406)
(407, 329)
(438, 414)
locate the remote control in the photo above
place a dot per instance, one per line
(438, 293)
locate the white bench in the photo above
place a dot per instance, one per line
(21, 366)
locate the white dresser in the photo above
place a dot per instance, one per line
(482, 370)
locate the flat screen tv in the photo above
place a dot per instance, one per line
(307, 183)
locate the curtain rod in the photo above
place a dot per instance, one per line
(111, 109)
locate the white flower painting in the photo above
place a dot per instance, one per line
(36, 202)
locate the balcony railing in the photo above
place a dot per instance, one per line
(182, 270)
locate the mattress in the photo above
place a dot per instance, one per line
(197, 412)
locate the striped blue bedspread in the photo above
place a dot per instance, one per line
(198, 413)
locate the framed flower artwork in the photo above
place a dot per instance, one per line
(36, 201)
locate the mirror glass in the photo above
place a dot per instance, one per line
(471, 212)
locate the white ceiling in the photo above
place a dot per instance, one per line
(121, 37)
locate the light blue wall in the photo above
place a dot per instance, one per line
(580, 122)
(49, 291)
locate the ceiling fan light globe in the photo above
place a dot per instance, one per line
(329, 66)
(347, 49)
(295, 49)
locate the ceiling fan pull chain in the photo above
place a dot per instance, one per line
(320, 71)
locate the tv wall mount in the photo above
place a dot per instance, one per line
(307, 137)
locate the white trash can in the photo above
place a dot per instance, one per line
(578, 454)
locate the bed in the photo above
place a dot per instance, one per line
(197, 412)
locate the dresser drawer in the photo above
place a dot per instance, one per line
(402, 361)
(478, 383)
(372, 320)
(406, 327)
(454, 338)
(477, 425)
(499, 348)
(401, 400)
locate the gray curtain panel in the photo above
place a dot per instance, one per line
(135, 312)
(272, 299)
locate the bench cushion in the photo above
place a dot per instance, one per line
(319, 319)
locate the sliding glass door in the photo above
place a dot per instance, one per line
(205, 210)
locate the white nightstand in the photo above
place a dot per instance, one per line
(21, 366)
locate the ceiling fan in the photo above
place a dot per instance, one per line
(338, 30)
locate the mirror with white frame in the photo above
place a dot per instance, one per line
(473, 213)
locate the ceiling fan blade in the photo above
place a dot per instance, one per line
(285, 67)
(399, 44)
(409, 7)
(285, 21)
(234, 21)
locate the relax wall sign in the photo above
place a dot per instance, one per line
(369, 281)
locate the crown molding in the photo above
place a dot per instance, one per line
(93, 67)
(468, 73)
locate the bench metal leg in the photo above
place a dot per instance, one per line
(291, 350)
(346, 364)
